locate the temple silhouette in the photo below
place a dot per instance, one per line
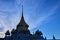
(23, 33)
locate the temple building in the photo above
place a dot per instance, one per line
(22, 32)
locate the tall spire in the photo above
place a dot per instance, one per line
(22, 21)
(22, 9)
(22, 12)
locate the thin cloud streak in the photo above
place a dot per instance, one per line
(8, 22)
(40, 20)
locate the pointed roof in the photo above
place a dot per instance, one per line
(22, 21)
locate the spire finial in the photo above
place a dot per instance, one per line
(22, 7)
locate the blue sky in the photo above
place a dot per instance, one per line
(39, 14)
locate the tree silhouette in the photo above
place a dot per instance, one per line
(38, 33)
(45, 38)
(13, 31)
(54, 37)
(7, 32)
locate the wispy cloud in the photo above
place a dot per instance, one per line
(10, 13)
(41, 19)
